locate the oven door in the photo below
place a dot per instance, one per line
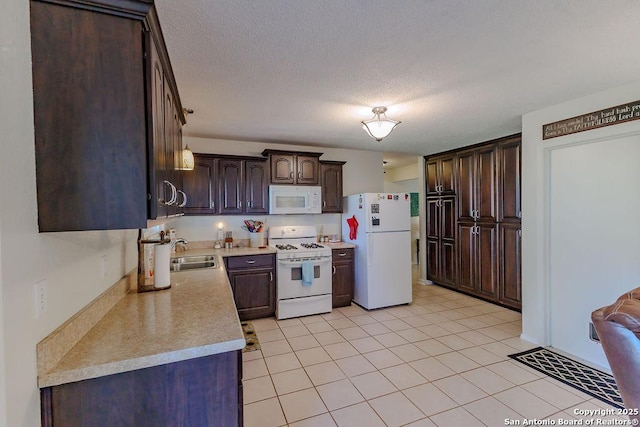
(289, 277)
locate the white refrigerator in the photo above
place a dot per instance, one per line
(383, 247)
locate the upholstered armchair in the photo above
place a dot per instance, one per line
(618, 327)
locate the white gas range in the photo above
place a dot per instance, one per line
(303, 274)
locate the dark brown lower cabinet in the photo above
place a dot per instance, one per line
(478, 259)
(205, 391)
(343, 277)
(441, 240)
(252, 279)
(510, 247)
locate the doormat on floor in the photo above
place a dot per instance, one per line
(250, 337)
(575, 374)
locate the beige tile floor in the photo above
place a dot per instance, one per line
(440, 361)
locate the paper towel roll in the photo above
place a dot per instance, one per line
(161, 266)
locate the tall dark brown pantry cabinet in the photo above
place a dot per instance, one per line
(473, 220)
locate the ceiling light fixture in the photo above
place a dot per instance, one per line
(379, 126)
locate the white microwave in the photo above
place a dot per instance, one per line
(295, 199)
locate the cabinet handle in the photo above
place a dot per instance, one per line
(290, 175)
(174, 194)
(270, 276)
(213, 204)
(251, 261)
(519, 214)
(249, 204)
(342, 254)
(184, 199)
(519, 233)
(239, 204)
(334, 269)
(324, 203)
(299, 175)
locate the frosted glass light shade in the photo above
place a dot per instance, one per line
(188, 162)
(379, 126)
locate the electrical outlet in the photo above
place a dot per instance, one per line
(105, 266)
(41, 298)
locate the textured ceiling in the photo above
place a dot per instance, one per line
(454, 72)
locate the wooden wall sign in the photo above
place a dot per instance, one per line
(597, 119)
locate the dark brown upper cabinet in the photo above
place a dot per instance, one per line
(440, 175)
(199, 184)
(288, 167)
(510, 162)
(99, 117)
(227, 185)
(477, 184)
(331, 183)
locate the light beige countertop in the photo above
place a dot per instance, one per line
(196, 317)
(339, 245)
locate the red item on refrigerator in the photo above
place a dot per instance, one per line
(353, 227)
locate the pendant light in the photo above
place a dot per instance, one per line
(379, 126)
(188, 162)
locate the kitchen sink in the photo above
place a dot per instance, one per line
(194, 262)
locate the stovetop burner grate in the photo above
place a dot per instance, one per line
(311, 245)
(287, 247)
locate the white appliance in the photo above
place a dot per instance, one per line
(295, 199)
(303, 272)
(383, 247)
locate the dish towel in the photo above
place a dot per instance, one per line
(307, 273)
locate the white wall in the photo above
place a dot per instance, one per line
(71, 263)
(580, 236)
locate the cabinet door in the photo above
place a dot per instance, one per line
(465, 191)
(253, 292)
(448, 240)
(431, 176)
(446, 174)
(486, 184)
(282, 168)
(466, 256)
(170, 135)
(256, 187)
(487, 261)
(509, 179)
(343, 277)
(510, 285)
(199, 185)
(433, 260)
(331, 182)
(433, 218)
(440, 177)
(230, 188)
(307, 170)
(158, 208)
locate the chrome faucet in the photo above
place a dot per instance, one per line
(179, 241)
